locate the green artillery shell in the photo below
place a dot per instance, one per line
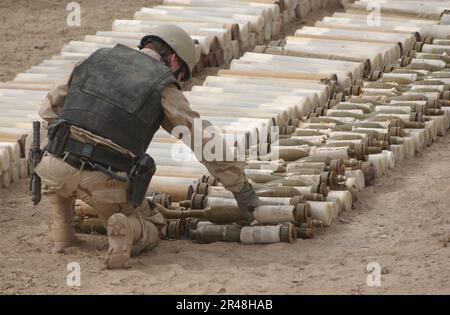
(414, 125)
(210, 233)
(263, 178)
(289, 154)
(222, 214)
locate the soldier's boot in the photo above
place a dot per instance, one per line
(63, 233)
(129, 236)
(120, 238)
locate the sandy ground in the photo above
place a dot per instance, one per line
(402, 222)
(32, 30)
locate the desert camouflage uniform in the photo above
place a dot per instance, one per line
(65, 184)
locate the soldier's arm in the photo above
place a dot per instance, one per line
(177, 112)
(54, 101)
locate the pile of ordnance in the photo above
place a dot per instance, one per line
(350, 98)
(350, 102)
(221, 30)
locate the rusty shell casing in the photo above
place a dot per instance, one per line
(337, 165)
(175, 229)
(199, 188)
(288, 233)
(302, 213)
(196, 202)
(305, 233)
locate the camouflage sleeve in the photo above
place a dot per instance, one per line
(178, 113)
(51, 106)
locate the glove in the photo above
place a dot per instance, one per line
(247, 201)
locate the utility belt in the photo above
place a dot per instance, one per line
(139, 171)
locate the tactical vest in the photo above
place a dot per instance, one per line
(116, 94)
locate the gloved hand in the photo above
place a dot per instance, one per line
(247, 201)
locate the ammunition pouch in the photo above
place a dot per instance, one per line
(58, 133)
(140, 178)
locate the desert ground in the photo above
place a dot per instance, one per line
(402, 222)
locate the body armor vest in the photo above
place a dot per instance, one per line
(116, 94)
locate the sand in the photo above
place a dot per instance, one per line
(33, 30)
(402, 222)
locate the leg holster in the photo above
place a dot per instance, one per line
(140, 178)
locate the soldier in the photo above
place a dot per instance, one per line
(101, 122)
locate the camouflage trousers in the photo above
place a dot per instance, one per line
(64, 184)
